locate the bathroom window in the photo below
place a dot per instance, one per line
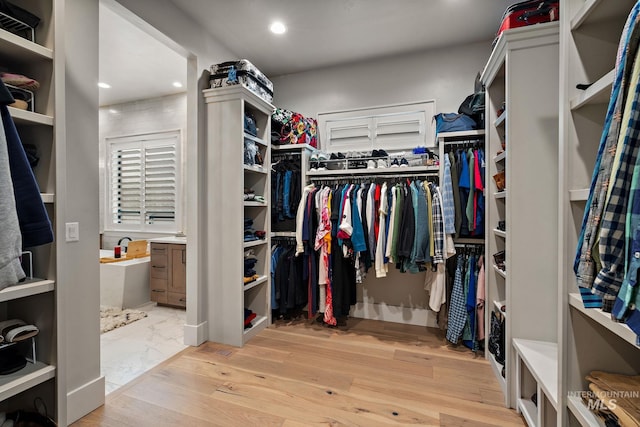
(143, 180)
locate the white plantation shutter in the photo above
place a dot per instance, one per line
(391, 127)
(160, 184)
(144, 177)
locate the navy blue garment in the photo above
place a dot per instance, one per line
(35, 225)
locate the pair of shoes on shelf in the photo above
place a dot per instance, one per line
(249, 194)
(336, 161)
(399, 163)
(318, 161)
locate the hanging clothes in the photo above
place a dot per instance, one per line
(595, 216)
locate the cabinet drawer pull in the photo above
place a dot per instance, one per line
(159, 249)
(182, 300)
(158, 266)
(157, 290)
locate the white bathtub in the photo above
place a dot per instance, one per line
(124, 284)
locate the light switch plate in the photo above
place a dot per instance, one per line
(72, 231)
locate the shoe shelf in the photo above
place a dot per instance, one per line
(500, 233)
(24, 379)
(500, 272)
(500, 121)
(21, 49)
(255, 204)
(500, 157)
(27, 288)
(500, 195)
(376, 171)
(24, 117)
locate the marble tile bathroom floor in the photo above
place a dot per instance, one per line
(131, 350)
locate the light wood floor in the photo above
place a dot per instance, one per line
(298, 374)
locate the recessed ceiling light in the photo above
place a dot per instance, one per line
(177, 84)
(278, 28)
(104, 85)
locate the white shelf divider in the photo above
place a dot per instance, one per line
(259, 324)
(497, 371)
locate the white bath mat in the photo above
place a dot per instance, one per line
(113, 317)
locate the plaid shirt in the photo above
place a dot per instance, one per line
(457, 307)
(438, 225)
(448, 206)
(584, 265)
(612, 227)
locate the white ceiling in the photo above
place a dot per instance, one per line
(320, 34)
(135, 64)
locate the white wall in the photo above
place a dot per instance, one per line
(201, 51)
(446, 75)
(132, 118)
(76, 127)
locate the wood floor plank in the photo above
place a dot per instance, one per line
(431, 397)
(301, 374)
(245, 387)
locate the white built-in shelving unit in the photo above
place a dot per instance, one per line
(588, 338)
(35, 300)
(522, 75)
(227, 177)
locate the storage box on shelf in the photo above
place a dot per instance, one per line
(34, 300)
(522, 74)
(588, 338)
(230, 171)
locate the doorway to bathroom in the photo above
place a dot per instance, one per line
(142, 128)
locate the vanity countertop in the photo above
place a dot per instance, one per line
(180, 240)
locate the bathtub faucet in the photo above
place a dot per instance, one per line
(121, 240)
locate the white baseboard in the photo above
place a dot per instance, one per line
(194, 335)
(85, 399)
(396, 314)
